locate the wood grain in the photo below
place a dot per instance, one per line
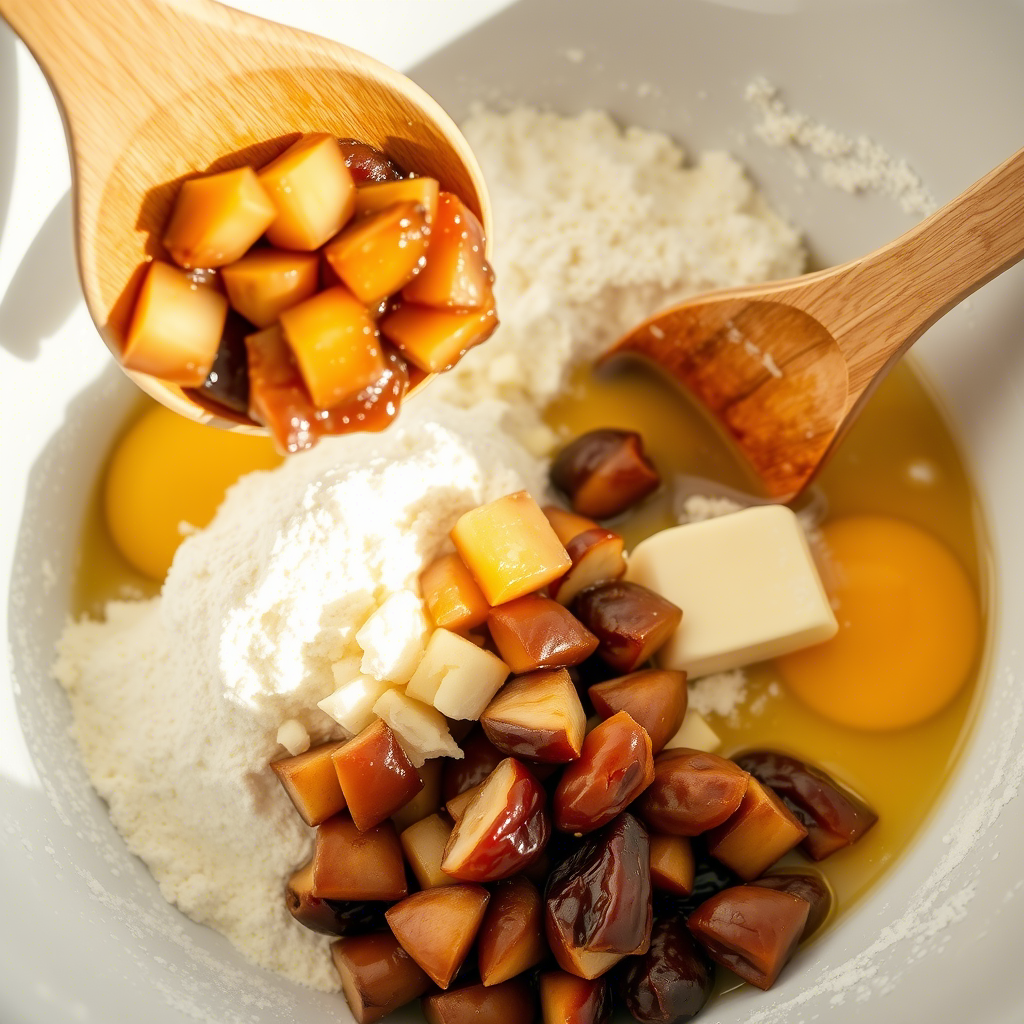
(154, 91)
(785, 367)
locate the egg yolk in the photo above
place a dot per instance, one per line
(166, 471)
(909, 627)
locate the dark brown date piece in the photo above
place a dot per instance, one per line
(833, 816)
(479, 758)
(598, 905)
(367, 164)
(692, 791)
(614, 767)
(812, 888)
(630, 622)
(751, 930)
(654, 698)
(330, 917)
(604, 472)
(671, 982)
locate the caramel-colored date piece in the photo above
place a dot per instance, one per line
(538, 717)
(376, 776)
(509, 547)
(437, 927)
(377, 975)
(379, 253)
(311, 782)
(512, 934)
(453, 598)
(615, 766)
(807, 886)
(423, 844)
(566, 999)
(456, 275)
(692, 791)
(330, 917)
(511, 1002)
(566, 524)
(604, 472)
(672, 864)
(751, 930)
(630, 622)
(503, 829)
(654, 698)
(833, 816)
(759, 832)
(353, 865)
(535, 632)
(596, 558)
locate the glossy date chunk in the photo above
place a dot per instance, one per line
(751, 930)
(598, 905)
(654, 698)
(511, 1002)
(692, 791)
(604, 472)
(614, 767)
(833, 816)
(807, 886)
(503, 828)
(366, 163)
(566, 999)
(630, 622)
(671, 982)
(512, 936)
(537, 716)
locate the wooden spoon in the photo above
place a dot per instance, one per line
(785, 367)
(153, 91)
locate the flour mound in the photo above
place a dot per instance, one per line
(177, 700)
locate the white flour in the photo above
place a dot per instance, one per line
(850, 164)
(177, 700)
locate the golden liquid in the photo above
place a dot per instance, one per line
(900, 774)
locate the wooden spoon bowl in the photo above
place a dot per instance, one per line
(785, 367)
(153, 92)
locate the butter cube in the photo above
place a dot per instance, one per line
(747, 585)
(393, 638)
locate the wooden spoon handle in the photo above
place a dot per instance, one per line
(892, 296)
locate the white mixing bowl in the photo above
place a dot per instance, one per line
(86, 935)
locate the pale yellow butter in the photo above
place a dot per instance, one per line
(747, 584)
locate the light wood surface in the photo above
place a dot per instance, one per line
(153, 91)
(785, 367)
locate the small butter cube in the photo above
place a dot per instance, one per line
(695, 734)
(747, 585)
(456, 676)
(351, 704)
(393, 637)
(421, 729)
(293, 737)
